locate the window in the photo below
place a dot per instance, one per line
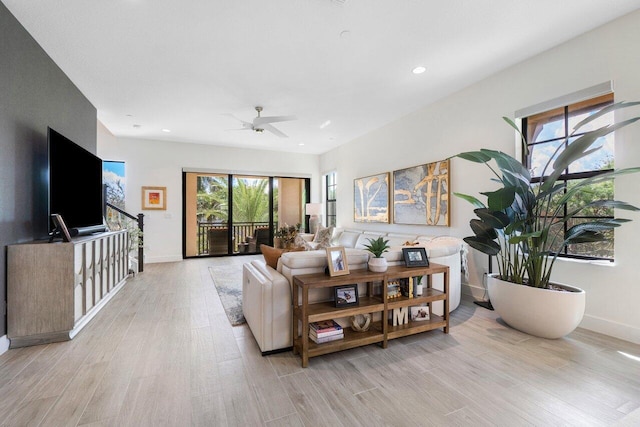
(546, 136)
(330, 191)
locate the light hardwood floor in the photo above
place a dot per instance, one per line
(163, 353)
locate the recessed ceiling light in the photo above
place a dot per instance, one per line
(300, 144)
(419, 70)
(166, 130)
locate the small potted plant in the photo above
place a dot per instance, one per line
(286, 235)
(377, 247)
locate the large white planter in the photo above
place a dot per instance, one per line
(378, 265)
(540, 312)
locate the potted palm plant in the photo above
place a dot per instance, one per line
(519, 225)
(377, 247)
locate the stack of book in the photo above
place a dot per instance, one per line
(325, 331)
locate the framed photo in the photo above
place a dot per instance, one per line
(61, 228)
(419, 314)
(421, 194)
(415, 257)
(371, 198)
(337, 261)
(154, 198)
(346, 295)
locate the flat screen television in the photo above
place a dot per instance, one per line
(75, 185)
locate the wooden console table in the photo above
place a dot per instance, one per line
(380, 331)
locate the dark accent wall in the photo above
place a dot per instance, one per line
(34, 94)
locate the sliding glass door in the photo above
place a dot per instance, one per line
(228, 214)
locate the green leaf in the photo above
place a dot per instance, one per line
(523, 237)
(604, 111)
(579, 148)
(486, 246)
(498, 220)
(482, 229)
(594, 226)
(500, 199)
(605, 203)
(474, 156)
(474, 201)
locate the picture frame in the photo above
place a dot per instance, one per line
(415, 257)
(421, 194)
(154, 198)
(60, 228)
(419, 313)
(371, 198)
(346, 296)
(337, 261)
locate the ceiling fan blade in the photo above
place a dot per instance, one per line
(258, 121)
(246, 125)
(273, 130)
(245, 128)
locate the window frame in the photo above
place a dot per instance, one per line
(331, 183)
(594, 102)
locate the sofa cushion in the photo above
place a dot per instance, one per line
(347, 239)
(400, 239)
(314, 259)
(364, 238)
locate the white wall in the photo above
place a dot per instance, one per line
(471, 119)
(160, 164)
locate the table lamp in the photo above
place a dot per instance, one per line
(314, 210)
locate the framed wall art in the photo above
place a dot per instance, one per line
(154, 198)
(421, 194)
(371, 198)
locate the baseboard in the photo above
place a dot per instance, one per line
(4, 344)
(611, 328)
(280, 350)
(158, 259)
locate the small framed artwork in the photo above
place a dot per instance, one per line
(415, 257)
(60, 228)
(346, 295)
(154, 198)
(337, 261)
(419, 314)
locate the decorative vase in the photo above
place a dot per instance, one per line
(544, 313)
(378, 265)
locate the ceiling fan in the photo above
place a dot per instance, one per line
(260, 124)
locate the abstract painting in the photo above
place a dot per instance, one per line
(371, 198)
(421, 194)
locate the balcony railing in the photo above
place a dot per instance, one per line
(240, 231)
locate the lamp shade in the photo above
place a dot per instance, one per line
(313, 208)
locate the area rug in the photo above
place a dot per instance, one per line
(228, 282)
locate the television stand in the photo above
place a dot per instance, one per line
(55, 289)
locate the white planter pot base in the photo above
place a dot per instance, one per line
(378, 265)
(540, 312)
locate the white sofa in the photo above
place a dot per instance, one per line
(267, 292)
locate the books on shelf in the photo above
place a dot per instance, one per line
(325, 326)
(320, 340)
(325, 331)
(313, 333)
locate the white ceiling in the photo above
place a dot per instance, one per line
(181, 65)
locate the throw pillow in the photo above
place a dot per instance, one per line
(299, 242)
(323, 237)
(271, 255)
